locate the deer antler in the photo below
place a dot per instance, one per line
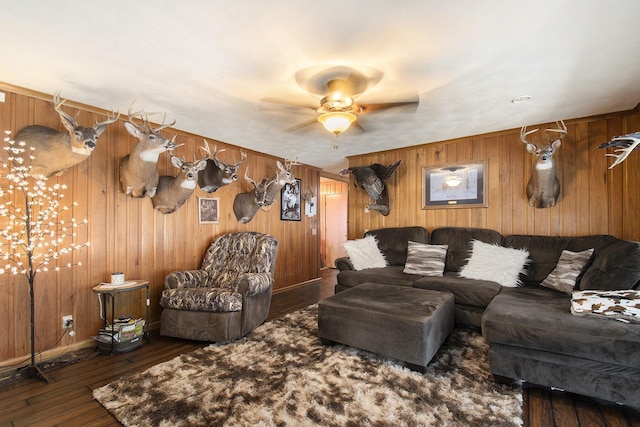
(524, 134)
(164, 125)
(216, 151)
(243, 157)
(628, 143)
(111, 117)
(57, 104)
(132, 115)
(145, 119)
(249, 180)
(206, 148)
(562, 130)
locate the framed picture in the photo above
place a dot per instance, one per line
(460, 185)
(208, 210)
(290, 207)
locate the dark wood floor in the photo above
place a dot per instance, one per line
(67, 399)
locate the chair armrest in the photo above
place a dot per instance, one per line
(344, 263)
(254, 283)
(186, 279)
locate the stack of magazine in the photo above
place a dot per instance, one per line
(124, 329)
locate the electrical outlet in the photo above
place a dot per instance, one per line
(67, 321)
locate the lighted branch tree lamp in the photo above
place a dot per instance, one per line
(34, 236)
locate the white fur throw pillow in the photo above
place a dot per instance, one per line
(364, 253)
(424, 259)
(495, 263)
(570, 265)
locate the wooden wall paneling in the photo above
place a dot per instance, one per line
(615, 202)
(582, 178)
(598, 209)
(86, 319)
(507, 187)
(478, 217)
(631, 183)
(494, 177)
(568, 187)
(409, 197)
(7, 285)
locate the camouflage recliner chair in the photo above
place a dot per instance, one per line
(228, 297)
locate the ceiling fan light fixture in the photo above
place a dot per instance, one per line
(337, 121)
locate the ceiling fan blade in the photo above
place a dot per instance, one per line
(356, 126)
(301, 125)
(288, 103)
(372, 107)
(352, 81)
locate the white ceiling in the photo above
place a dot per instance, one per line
(209, 63)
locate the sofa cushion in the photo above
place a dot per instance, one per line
(393, 242)
(390, 275)
(425, 259)
(468, 292)
(570, 265)
(364, 253)
(497, 263)
(458, 240)
(617, 266)
(540, 318)
(544, 251)
(201, 299)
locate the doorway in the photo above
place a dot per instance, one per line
(333, 220)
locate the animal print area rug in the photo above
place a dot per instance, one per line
(281, 375)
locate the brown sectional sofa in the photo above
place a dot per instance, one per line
(533, 336)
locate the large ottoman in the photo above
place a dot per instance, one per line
(403, 323)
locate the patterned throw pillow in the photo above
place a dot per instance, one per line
(570, 265)
(424, 259)
(496, 263)
(364, 253)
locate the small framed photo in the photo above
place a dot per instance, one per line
(290, 206)
(460, 185)
(208, 210)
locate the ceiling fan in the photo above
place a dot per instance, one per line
(339, 86)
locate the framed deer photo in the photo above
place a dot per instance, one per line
(460, 185)
(208, 210)
(290, 206)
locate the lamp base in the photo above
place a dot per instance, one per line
(33, 371)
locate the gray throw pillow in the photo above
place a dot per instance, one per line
(424, 259)
(563, 277)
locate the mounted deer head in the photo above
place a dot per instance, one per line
(138, 171)
(543, 187)
(174, 191)
(247, 204)
(54, 152)
(282, 177)
(218, 173)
